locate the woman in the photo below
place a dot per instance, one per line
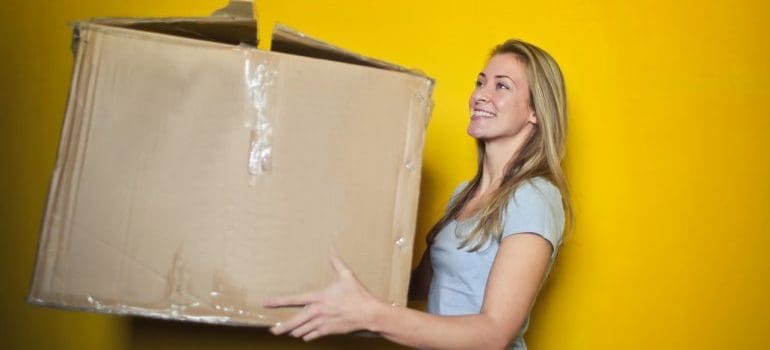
(494, 247)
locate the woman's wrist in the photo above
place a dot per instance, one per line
(375, 314)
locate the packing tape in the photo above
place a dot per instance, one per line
(259, 74)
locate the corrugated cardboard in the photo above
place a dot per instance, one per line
(157, 206)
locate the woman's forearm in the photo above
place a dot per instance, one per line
(346, 306)
(425, 331)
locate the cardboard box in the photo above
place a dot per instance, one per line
(197, 175)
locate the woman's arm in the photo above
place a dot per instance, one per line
(346, 306)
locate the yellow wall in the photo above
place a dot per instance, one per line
(669, 159)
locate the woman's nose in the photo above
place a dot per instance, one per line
(480, 95)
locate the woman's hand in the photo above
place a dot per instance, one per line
(342, 307)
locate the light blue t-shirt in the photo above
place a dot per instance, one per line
(460, 277)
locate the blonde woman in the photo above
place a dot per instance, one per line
(495, 245)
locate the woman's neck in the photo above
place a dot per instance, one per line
(497, 154)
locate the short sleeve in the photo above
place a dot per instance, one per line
(536, 207)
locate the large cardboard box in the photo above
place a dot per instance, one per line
(197, 175)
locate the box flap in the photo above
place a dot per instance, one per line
(233, 24)
(236, 9)
(288, 40)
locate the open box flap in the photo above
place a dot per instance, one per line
(236, 9)
(233, 24)
(288, 40)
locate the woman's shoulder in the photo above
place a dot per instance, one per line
(536, 207)
(538, 186)
(535, 198)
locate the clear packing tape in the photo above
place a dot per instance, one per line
(195, 311)
(259, 74)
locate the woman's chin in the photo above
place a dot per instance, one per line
(475, 132)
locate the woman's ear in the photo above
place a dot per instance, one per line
(532, 118)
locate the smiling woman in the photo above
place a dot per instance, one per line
(497, 241)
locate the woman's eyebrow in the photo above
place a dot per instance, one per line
(507, 77)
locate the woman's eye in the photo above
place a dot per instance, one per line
(503, 86)
(479, 83)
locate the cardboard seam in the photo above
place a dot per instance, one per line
(67, 192)
(411, 183)
(397, 237)
(82, 146)
(42, 261)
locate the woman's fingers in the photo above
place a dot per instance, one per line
(302, 317)
(306, 328)
(313, 335)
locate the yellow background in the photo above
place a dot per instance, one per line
(669, 160)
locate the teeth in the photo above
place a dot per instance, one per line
(480, 113)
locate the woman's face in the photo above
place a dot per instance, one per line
(500, 106)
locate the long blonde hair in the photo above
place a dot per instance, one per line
(540, 156)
